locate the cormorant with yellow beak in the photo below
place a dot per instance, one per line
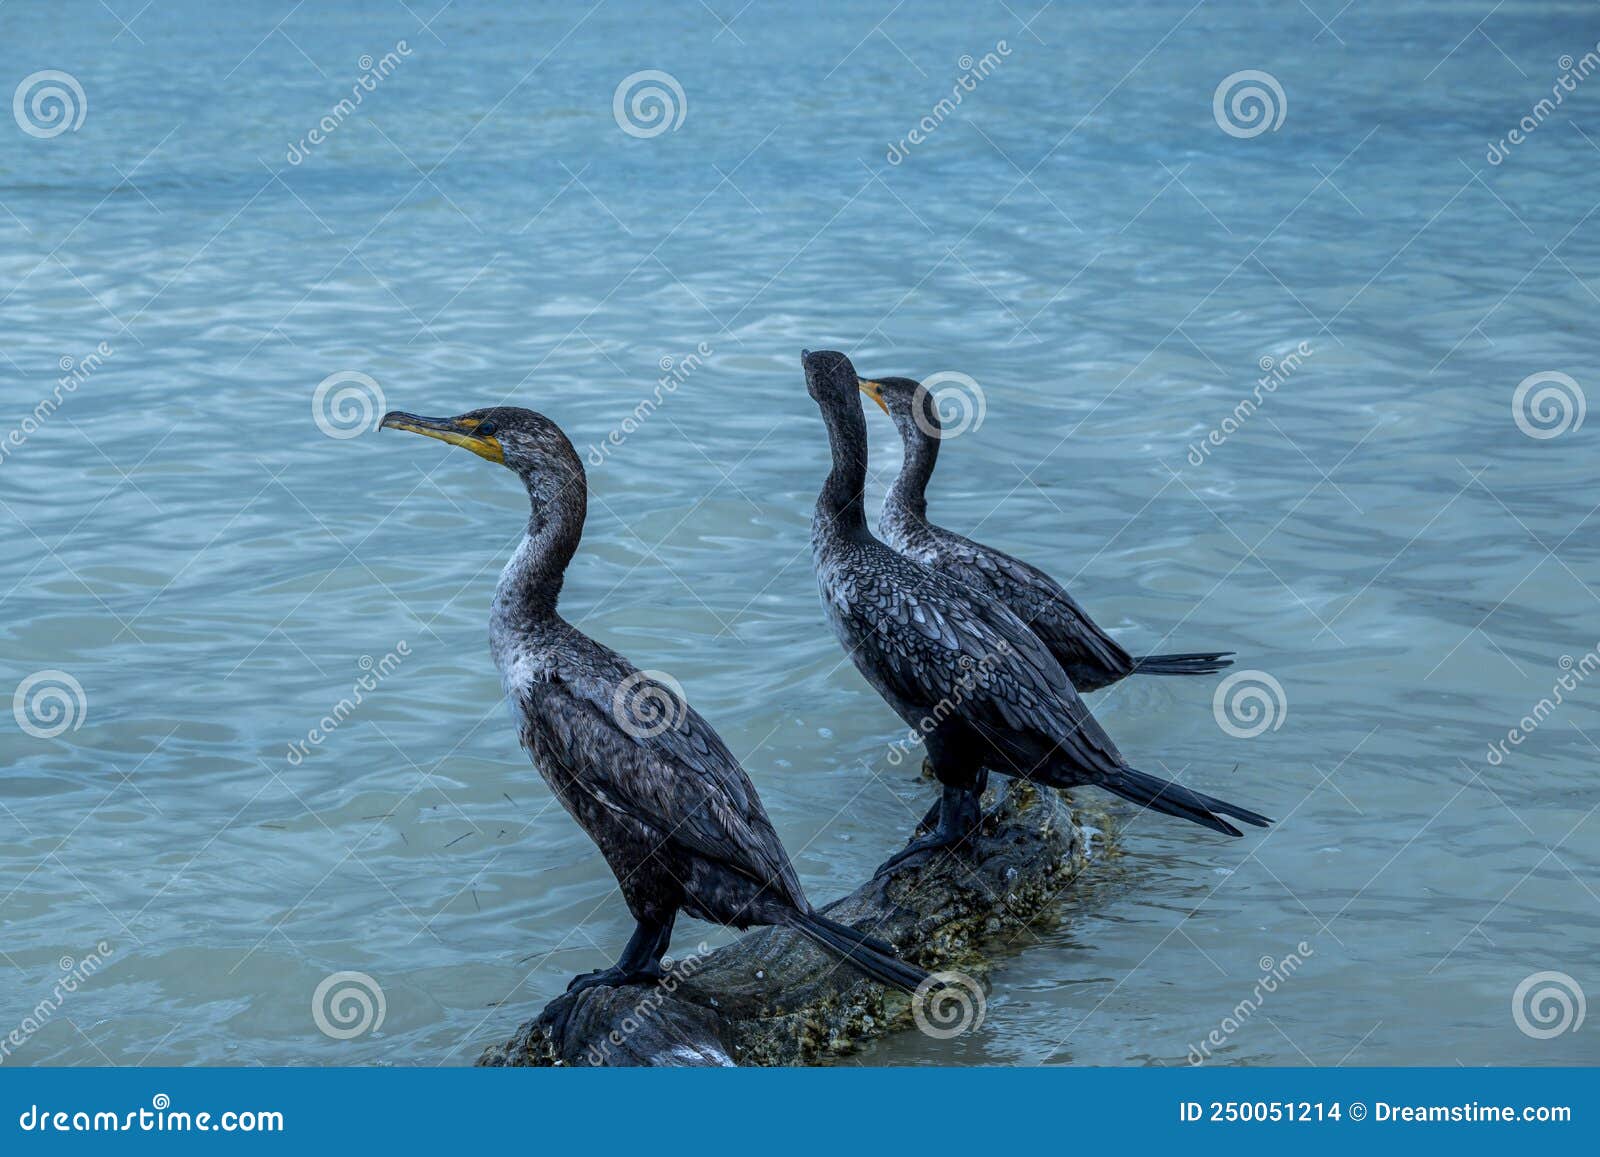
(1092, 658)
(671, 810)
(962, 670)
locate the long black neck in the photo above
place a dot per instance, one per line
(910, 490)
(842, 505)
(531, 582)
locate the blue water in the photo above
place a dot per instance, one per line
(1080, 236)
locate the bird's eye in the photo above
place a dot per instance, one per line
(486, 429)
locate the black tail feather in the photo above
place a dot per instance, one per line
(1198, 663)
(1174, 799)
(861, 950)
(873, 942)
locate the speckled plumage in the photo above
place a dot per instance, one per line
(1090, 656)
(671, 810)
(958, 666)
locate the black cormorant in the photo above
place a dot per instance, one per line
(1092, 658)
(963, 671)
(674, 814)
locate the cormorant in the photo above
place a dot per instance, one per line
(1092, 658)
(658, 791)
(963, 671)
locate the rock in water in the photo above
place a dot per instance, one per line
(772, 998)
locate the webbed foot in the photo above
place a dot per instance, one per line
(960, 815)
(615, 977)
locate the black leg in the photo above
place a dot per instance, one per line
(930, 818)
(640, 962)
(959, 816)
(952, 765)
(663, 938)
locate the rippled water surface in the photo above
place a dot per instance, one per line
(1079, 235)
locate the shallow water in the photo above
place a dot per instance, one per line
(1080, 236)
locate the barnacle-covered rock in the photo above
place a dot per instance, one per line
(772, 998)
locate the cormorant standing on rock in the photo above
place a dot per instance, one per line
(1091, 658)
(674, 814)
(963, 671)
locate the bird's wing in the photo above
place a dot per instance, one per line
(1040, 601)
(948, 649)
(668, 768)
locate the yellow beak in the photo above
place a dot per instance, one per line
(873, 390)
(456, 431)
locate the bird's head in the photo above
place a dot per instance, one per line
(908, 403)
(830, 378)
(525, 442)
